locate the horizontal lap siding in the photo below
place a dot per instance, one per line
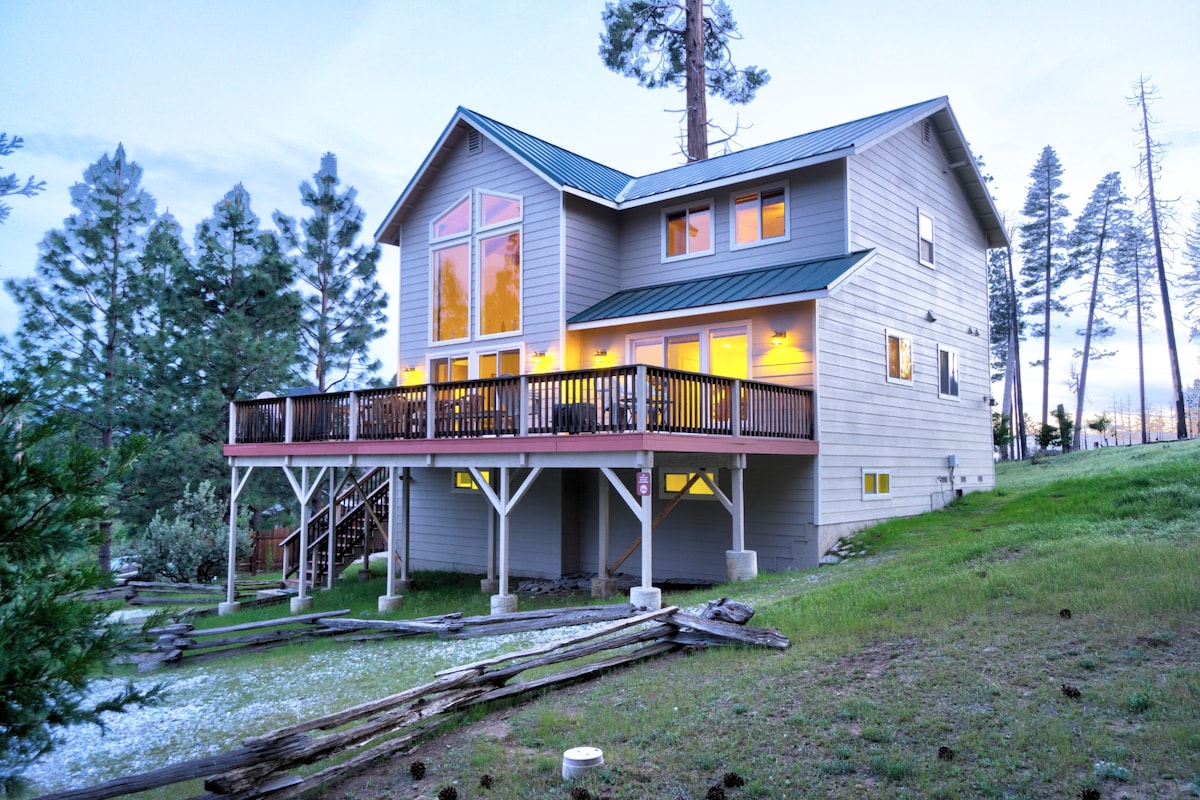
(449, 528)
(816, 219)
(458, 174)
(865, 421)
(593, 243)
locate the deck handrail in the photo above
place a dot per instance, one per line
(621, 399)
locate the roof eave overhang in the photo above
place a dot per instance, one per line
(592, 198)
(389, 230)
(741, 177)
(678, 313)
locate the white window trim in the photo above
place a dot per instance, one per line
(433, 251)
(894, 334)
(957, 373)
(493, 233)
(877, 495)
(705, 334)
(759, 242)
(480, 227)
(712, 230)
(463, 234)
(923, 215)
(456, 489)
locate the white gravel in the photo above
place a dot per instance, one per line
(211, 708)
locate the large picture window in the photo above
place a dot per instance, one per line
(451, 292)
(689, 231)
(498, 209)
(760, 216)
(500, 284)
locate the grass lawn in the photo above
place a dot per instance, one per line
(1036, 641)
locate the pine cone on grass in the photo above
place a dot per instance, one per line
(417, 770)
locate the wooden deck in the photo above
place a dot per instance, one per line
(618, 408)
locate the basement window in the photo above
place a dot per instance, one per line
(464, 481)
(673, 483)
(876, 484)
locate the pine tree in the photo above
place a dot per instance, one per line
(1149, 167)
(1189, 281)
(1043, 250)
(83, 311)
(11, 185)
(1132, 288)
(52, 493)
(686, 45)
(228, 329)
(1101, 222)
(344, 306)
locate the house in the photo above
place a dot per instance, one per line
(722, 367)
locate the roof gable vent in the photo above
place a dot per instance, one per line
(926, 131)
(474, 143)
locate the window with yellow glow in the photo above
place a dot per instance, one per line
(464, 481)
(498, 209)
(505, 362)
(876, 484)
(454, 222)
(899, 358)
(673, 483)
(500, 284)
(689, 231)
(451, 292)
(683, 352)
(450, 368)
(729, 353)
(760, 216)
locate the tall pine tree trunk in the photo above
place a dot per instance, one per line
(697, 110)
(1137, 293)
(1087, 335)
(1018, 418)
(1168, 320)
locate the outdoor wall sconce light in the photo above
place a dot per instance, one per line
(538, 357)
(778, 338)
(599, 356)
(409, 371)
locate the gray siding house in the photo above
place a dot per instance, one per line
(722, 367)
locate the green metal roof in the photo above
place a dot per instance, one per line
(738, 287)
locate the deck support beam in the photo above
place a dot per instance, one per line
(231, 605)
(392, 599)
(304, 490)
(503, 503)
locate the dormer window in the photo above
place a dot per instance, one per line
(760, 217)
(688, 231)
(455, 221)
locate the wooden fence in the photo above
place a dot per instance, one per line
(263, 766)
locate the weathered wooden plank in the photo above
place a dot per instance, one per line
(766, 637)
(498, 627)
(270, 623)
(183, 771)
(503, 674)
(362, 710)
(537, 651)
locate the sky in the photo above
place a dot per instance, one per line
(204, 95)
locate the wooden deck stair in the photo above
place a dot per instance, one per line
(360, 528)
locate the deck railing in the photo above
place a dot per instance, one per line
(595, 401)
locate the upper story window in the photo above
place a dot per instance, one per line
(493, 289)
(759, 217)
(455, 221)
(688, 231)
(925, 238)
(947, 373)
(500, 283)
(498, 209)
(451, 292)
(899, 357)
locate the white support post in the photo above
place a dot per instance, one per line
(390, 600)
(502, 601)
(232, 424)
(353, 419)
(603, 585)
(647, 596)
(740, 564)
(330, 528)
(405, 578)
(231, 605)
(305, 517)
